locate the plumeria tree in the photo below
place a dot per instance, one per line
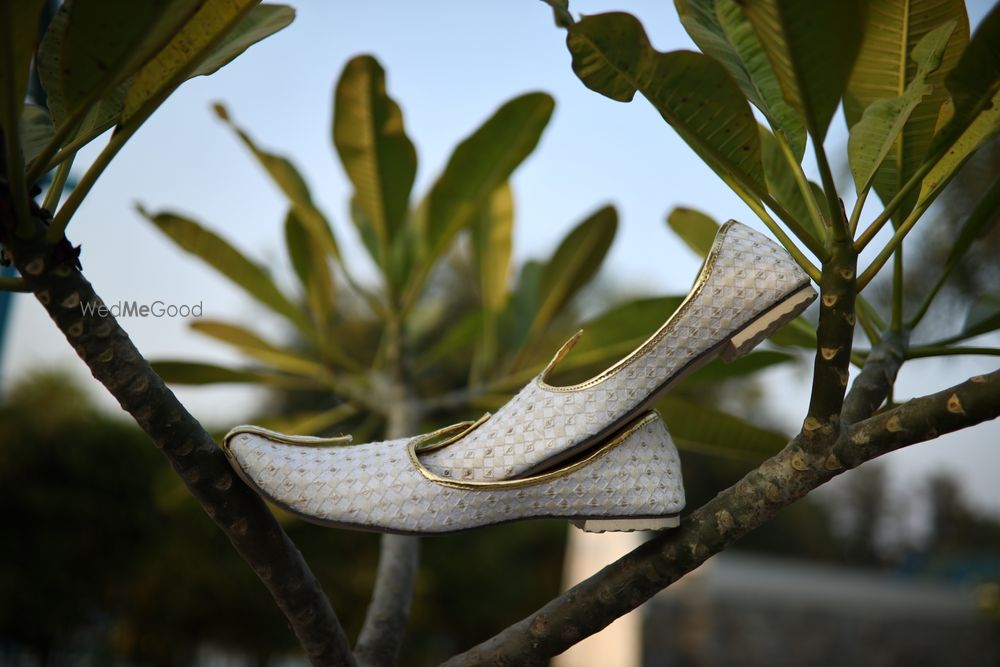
(443, 333)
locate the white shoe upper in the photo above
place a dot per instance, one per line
(383, 486)
(744, 275)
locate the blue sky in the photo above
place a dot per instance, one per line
(449, 64)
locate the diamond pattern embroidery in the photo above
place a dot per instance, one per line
(381, 489)
(750, 274)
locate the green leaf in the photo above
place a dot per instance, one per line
(224, 258)
(701, 428)
(103, 115)
(985, 125)
(310, 423)
(721, 30)
(882, 125)
(718, 371)
(560, 12)
(983, 317)
(181, 57)
(492, 240)
(106, 41)
(574, 263)
(980, 222)
(377, 155)
(812, 47)
(262, 22)
(311, 266)
(693, 93)
(255, 346)
(290, 182)
(797, 333)
(18, 32)
(785, 189)
(521, 307)
(478, 166)
(612, 335)
(695, 228)
(36, 130)
(975, 80)
(885, 69)
(974, 115)
(457, 340)
(191, 372)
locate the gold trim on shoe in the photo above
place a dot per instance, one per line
(275, 436)
(609, 445)
(459, 431)
(703, 275)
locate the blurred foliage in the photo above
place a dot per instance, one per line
(453, 327)
(105, 558)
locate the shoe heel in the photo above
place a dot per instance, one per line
(753, 334)
(626, 525)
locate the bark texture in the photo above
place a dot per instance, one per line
(102, 344)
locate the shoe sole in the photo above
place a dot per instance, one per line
(626, 525)
(769, 323)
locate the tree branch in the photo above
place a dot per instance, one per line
(792, 473)
(623, 585)
(384, 628)
(876, 378)
(388, 613)
(834, 338)
(115, 362)
(921, 419)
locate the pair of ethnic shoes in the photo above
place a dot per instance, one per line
(592, 453)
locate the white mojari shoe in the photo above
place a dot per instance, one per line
(747, 289)
(630, 482)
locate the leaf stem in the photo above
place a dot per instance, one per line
(941, 351)
(58, 227)
(9, 122)
(803, 183)
(897, 289)
(871, 331)
(859, 206)
(54, 194)
(13, 284)
(974, 226)
(70, 149)
(901, 232)
(897, 201)
(838, 222)
(776, 229)
(42, 161)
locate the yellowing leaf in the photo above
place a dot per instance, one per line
(885, 68)
(227, 260)
(379, 158)
(884, 121)
(695, 228)
(183, 54)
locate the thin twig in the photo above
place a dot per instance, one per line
(876, 379)
(384, 627)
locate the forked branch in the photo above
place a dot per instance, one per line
(625, 584)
